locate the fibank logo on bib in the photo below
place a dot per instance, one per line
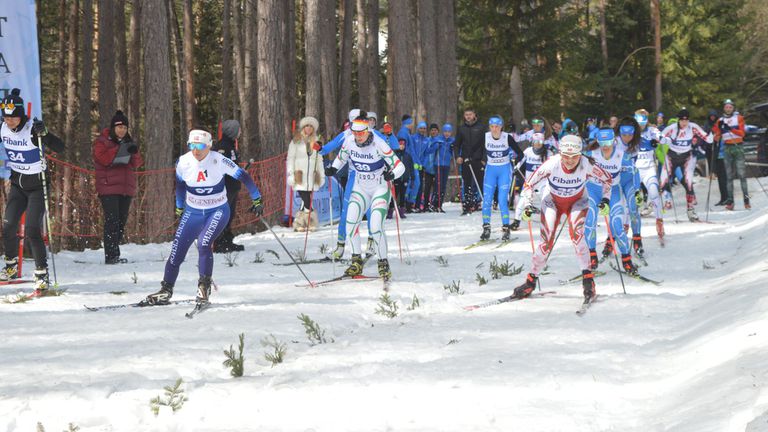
(565, 181)
(357, 155)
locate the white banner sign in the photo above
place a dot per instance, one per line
(19, 58)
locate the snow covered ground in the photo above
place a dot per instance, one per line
(689, 355)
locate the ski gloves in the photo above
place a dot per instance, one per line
(330, 171)
(605, 209)
(639, 198)
(179, 211)
(389, 175)
(257, 207)
(38, 128)
(527, 213)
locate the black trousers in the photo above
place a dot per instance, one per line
(115, 216)
(471, 193)
(429, 183)
(33, 203)
(722, 179)
(306, 199)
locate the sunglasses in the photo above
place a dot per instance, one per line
(682, 118)
(359, 133)
(8, 107)
(537, 121)
(197, 146)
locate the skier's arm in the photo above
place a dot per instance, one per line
(234, 171)
(50, 141)
(333, 144)
(514, 146)
(341, 158)
(697, 130)
(541, 173)
(602, 176)
(390, 158)
(629, 174)
(181, 191)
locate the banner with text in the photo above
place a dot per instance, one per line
(19, 58)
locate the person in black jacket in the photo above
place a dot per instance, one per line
(230, 132)
(715, 162)
(470, 156)
(21, 139)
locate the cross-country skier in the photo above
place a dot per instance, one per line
(646, 165)
(533, 157)
(376, 165)
(612, 159)
(629, 141)
(540, 126)
(567, 174)
(21, 137)
(497, 174)
(681, 155)
(201, 205)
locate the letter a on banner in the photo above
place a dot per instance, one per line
(20, 67)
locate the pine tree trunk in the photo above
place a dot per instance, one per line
(106, 63)
(328, 64)
(604, 51)
(237, 51)
(374, 66)
(345, 61)
(448, 69)
(189, 67)
(226, 60)
(288, 38)
(400, 55)
(391, 115)
(416, 54)
(270, 72)
(656, 24)
(72, 68)
(363, 69)
(178, 71)
(518, 100)
(311, 53)
(134, 72)
(121, 76)
(251, 139)
(61, 57)
(429, 53)
(158, 102)
(83, 123)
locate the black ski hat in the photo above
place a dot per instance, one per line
(683, 114)
(13, 104)
(119, 119)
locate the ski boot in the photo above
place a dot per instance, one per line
(162, 297)
(637, 245)
(355, 267)
(42, 282)
(608, 248)
(486, 232)
(729, 204)
(747, 205)
(203, 289)
(588, 284)
(337, 253)
(660, 229)
(692, 216)
(515, 225)
(593, 259)
(11, 270)
(505, 233)
(527, 287)
(384, 272)
(629, 267)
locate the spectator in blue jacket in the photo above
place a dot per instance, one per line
(429, 167)
(405, 141)
(420, 144)
(401, 182)
(443, 153)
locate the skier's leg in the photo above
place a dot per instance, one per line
(189, 227)
(616, 218)
(14, 208)
(550, 217)
(33, 228)
(358, 205)
(214, 222)
(594, 193)
(504, 182)
(489, 187)
(342, 230)
(378, 213)
(577, 215)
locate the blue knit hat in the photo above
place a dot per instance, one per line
(447, 127)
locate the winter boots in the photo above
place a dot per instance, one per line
(593, 259)
(505, 233)
(203, 289)
(747, 205)
(384, 272)
(588, 284)
(627, 264)
(515, 225)
(338, 253)
(162, 297)
(486, 232)
(11, 270)
(527, 287)
(301, 221)
(355, 267)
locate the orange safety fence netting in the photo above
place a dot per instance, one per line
(76, 215)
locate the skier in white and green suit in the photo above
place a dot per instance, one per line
(376, 165)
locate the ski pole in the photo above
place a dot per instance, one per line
(311, 284)
(615, 253)
(551, 247)
(479, 191)
(330, 206)
(309, 219)
(47, 207)
(711, 162)
(761, 185)
(397, 222)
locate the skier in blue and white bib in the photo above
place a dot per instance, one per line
(21, 137)
(376, 165)
(618, 164)
(201, 205)
(533, 157)
(497, 174)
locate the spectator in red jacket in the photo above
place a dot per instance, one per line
(116, 157)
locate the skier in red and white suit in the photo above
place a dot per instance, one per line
(566, 174)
